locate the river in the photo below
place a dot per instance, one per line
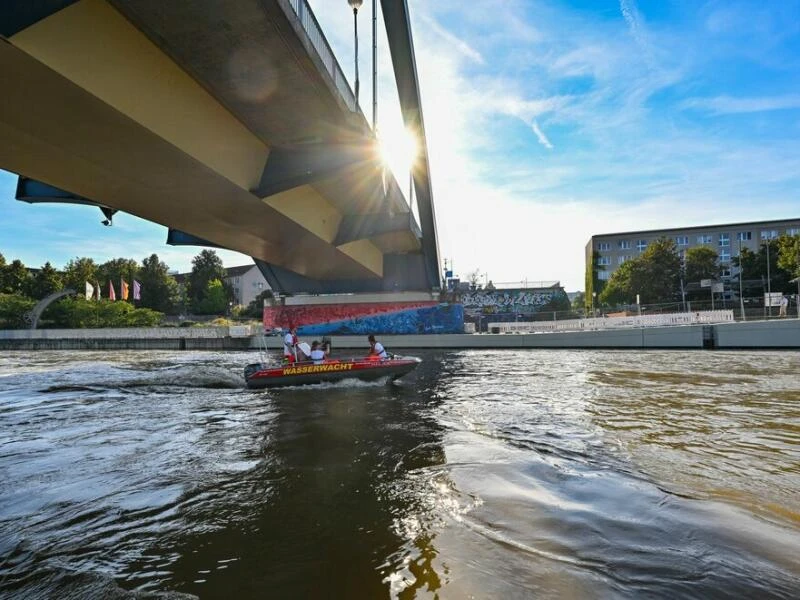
(483, 474)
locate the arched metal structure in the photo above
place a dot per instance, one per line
(32, 317)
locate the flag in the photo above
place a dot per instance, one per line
(89, 291)
(97, 289)
(123, 289)
(137, 290)
(111, 294)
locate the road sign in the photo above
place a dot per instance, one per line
(718, 287)
(705, 283)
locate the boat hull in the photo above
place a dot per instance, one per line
(261, 376)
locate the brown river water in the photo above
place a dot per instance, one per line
(483, 474)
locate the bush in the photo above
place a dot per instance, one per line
(12, 310)
(78, 313)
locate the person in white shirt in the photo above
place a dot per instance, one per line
(318, 353)
(290, 346)
(376, 348)
(784, 306)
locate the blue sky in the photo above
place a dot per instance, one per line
(549, 122)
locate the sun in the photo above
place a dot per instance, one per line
(399, 149)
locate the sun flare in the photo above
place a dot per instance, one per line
(399, 150)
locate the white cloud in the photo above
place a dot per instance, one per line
(726, 105)
(541, 136)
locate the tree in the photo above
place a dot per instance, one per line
(700, 263)
(45, 282)
(78, 271)
(215, 301)
(619, 289)
(117, 270)
(654, 276)
(789, 254)
(256, 307)
(159, 290)
(579, 301)
(594, 285)
(474, 278)
(206, 267)
(762, 270)
(16, 279)
(12, 311)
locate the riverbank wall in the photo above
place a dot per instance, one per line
(750, 335)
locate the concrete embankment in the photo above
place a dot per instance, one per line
(775, 334)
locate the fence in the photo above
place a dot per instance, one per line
(663, 320)
(311, 26)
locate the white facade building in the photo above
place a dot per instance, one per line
(247, 283)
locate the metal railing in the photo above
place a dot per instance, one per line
(311, 26)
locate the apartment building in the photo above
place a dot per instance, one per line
(247, 283)
(613, 249)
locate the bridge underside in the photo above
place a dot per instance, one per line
(217, 122)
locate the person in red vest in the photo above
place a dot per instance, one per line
(290, 345)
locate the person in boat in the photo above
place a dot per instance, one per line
(290, 346)
(318, 353)
(376, 349)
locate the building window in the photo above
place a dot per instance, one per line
(769, 234)
(724, 256)
(745, 236)
(604, 246)
(724, 239)
(622, 259)
(603, 275)
(793, 231)
(604, 260)
(704, 239)
(725, 273)
(641, 245)
(624, 244)
(682, 240)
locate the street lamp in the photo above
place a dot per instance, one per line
(355, 5)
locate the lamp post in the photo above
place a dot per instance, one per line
(741, 274)
(769, 283)
(355, 5)
(374, 66)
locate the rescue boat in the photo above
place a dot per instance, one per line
(261, 375)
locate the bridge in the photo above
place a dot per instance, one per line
(228, 121)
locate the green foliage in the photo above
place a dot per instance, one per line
(769, 262)
(214, 300)
(700, 263)
(579, 302)
(15, 279)
(45, 282)
(206, 267)
(117, 270)
(654, 276)
(559, 302)
(159, 291)
(256, 308)
(80, 270)
(77, 312)
(619, 289)
(789, 254)
(594, 285)
(12, 310)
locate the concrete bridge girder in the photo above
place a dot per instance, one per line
(183, 149)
